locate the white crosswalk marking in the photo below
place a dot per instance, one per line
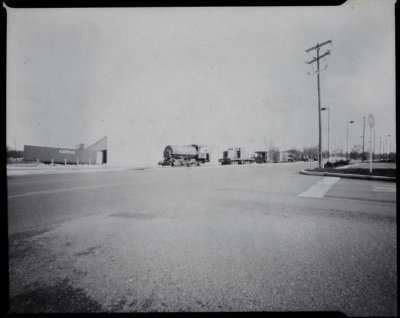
(319, 189)
(384, 189)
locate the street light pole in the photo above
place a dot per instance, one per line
(362, 159)
(327, 108)
(370, 150)
(373, 158)
(347, 148)
(362, 154)
(371, 124)
(341, 150)
(347, 144)
(15, 148)
(386, 147)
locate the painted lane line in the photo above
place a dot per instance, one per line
(62, 180)
(26, 194)
(319, 189)
(25, 172)
(384, 189)
(365, 201)
(51, 191)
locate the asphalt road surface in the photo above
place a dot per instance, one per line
(222, 238)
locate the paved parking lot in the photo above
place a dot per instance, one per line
(223, 238)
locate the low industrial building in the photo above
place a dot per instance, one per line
(101, 148)
(283, 155)
(273, 155)
(94, 154)
(288, 155)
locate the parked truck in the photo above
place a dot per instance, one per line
(236, 155)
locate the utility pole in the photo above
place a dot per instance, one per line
(380, 148)
(316, 59)
(362, 159)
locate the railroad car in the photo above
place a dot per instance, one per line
(185, 155)
(236, 155)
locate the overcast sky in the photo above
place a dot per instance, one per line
(224, 76)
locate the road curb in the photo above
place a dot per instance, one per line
(348, 175)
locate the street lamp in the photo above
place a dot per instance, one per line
(362, 158)
(387, 156)
(327, 108)
(347, 151)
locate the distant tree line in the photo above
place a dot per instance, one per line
(12, 153)
(307, 152)
(312, 153)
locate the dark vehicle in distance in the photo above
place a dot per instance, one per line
(261, 156)
(185, 155)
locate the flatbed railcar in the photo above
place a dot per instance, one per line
(236, 155)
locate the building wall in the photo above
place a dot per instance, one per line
(273, 156)
(59, 155)
(283, 156)
(99, 145)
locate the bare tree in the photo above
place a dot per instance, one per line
(273, 153)
(310, 152)
(356, 152)
(337, 152)
(295, 153)
(81, 146)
